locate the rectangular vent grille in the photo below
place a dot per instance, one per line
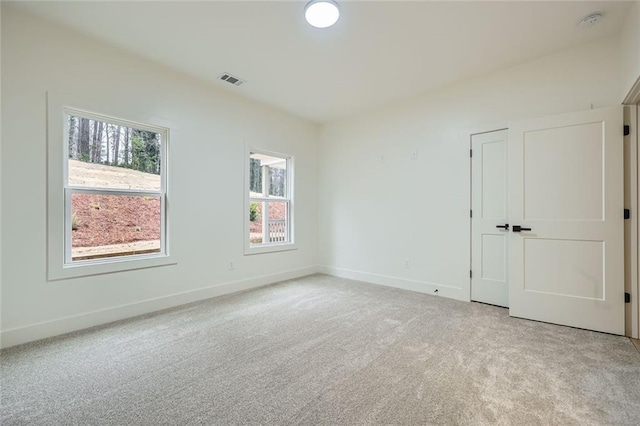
(231, 79)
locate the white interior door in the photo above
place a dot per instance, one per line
(566, 192)
(489, 225)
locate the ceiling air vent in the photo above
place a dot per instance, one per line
(231, 79)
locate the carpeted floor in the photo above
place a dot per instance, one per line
(324, 351)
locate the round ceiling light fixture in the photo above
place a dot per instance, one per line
(321, 13)
(590, 21)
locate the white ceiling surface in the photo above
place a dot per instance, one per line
(377, 53)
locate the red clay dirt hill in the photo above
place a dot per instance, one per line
(102, 220)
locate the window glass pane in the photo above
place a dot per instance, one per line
(105, 155)
(255, 222)
(278, 180)
(277, 224)
(275, 168)
(255, 176)
(114, 225)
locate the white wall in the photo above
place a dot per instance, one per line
(209, 130)
(379, 207)
(631, 49)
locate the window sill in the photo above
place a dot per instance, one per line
(84, 268)
(269, 248)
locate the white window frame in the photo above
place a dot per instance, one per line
(59, 193)
(269, 247)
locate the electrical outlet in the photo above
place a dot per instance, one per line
(407, 264)
(231, 265)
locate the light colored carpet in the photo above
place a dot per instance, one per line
(324, 351)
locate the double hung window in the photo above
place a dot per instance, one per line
(114, 189)
(107, 194)
(270, 222)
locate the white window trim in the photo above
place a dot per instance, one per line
(250, 249)
(59, 265)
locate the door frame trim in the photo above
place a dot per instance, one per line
(632, 267)
(635, 304)
(633, 97)
(632, 101)
(633, 114)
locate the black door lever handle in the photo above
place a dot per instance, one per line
(505, 226)
(518, 228)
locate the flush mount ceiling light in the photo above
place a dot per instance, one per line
(591, 20)
(321, 13)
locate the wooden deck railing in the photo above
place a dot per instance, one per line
(278, 231)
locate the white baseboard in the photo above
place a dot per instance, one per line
(64, 325)
(405, 284)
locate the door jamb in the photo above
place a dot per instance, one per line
(632, 271)
(634, 181)
(632, 100)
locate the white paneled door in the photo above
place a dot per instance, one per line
(565, 203)
(489, 225)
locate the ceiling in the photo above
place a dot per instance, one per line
(379, 51)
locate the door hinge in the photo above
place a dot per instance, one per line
(627, 214)
(470, 213)
(471, 153)
(627, 130)
(627, 298)
(470, 274)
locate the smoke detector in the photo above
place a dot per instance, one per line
(236, 81)
(590, 21)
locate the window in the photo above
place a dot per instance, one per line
(270, 209)
(114, 190)
(107, 202)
